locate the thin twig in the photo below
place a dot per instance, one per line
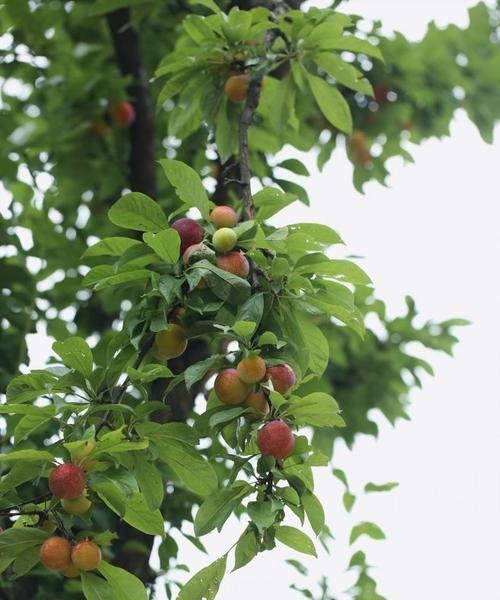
(24, 502)
(120, 392)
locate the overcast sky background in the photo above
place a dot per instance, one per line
(433, 234)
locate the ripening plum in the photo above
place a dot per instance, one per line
(235, 263)
(190, 232)
(252, 369)
(282, 377)
(86, 555)
(276, 439)
(122, 113)
(236, 87)
(78, 506)
(55, 553)
(258, 401)
(67, 481)
(223, 216)
(229, 388)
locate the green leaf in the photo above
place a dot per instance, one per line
(96, 588)
(103, 277)
(354, 44)
(348, 499)
(263, 514)
(149, 373)
(270, 201)
(246, 549)
(149, 480)
(317, 409)
(123, 583)
(314, 511)
(186, 462)
(195, 372)
(187, 184)
(138, 211)
(111, 246)
(384, 487)
(331, 103)
(27, 455)
(28, 424)
(215, 510)
(166, 244)
(295, 166)
(296, 539)
(27, 409)
(210, 4)
(76, 354)
(321, 233)
(205, 584)
(26, 388)
(112, 496)
(343, 72)
(223, 284)
(370, 529)
(317, 344)
(16, 540)
(25, 562)
(244, 328)
(139, 515)
(252, 310)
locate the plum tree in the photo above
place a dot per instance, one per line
(55, 553)
(282, 377)
(235, 263)
(67, 481)
(170, 343)
(236, 87)
(86, 555)
(77, 506)
(258, 401)
(122, 113)
(165, 447)
(190, 232)
(276, 439)
(224, 239)
(223, 216)
(229, 388)
(251, 369)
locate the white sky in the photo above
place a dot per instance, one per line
(432, 234)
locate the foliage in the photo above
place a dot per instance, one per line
(103, 287)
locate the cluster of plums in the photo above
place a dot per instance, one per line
(172, 342)
(68, 483)
(236, 387)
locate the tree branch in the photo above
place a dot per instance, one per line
(120, 392)
(142, 131)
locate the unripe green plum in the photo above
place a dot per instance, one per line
(224, 239)
(78, 506)
(251, 369)
(67, 481)
(170, 342)
(282, 377)
(223, 216)
(276, 439)
(229, 387)
(235, 263)
(55, 553)
(86, 555)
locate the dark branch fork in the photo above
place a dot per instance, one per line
(246, 119)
